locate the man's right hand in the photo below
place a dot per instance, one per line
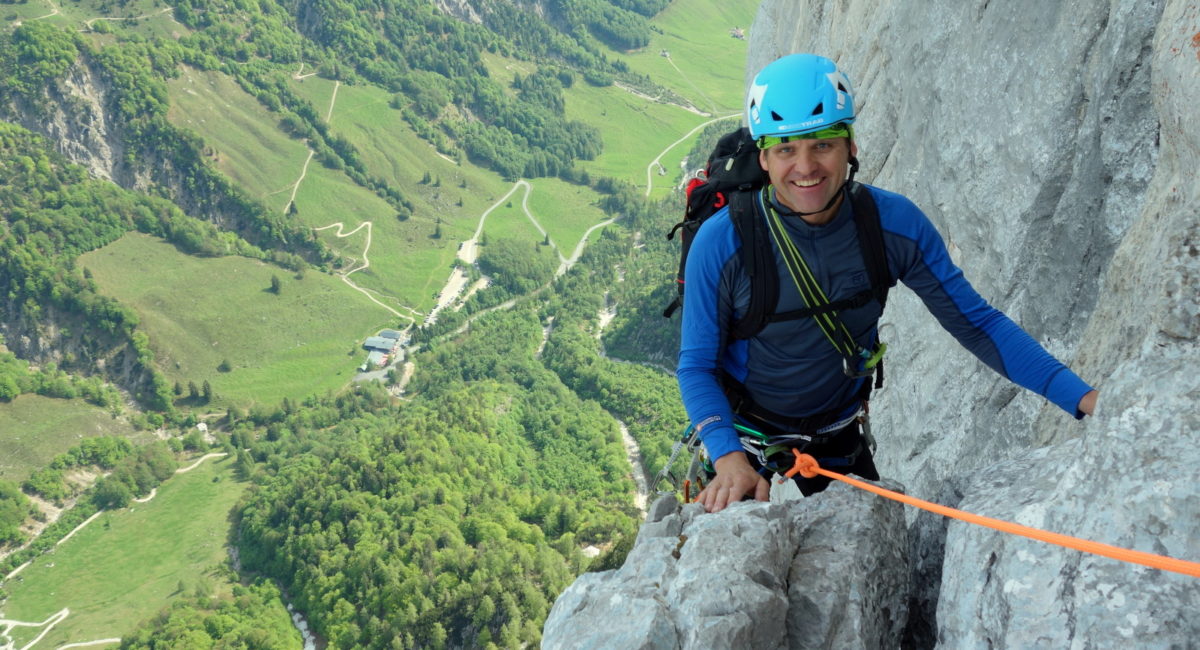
(735, 479)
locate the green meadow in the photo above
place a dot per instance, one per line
(249, 146)
(391, 151)
(35, 429)
(199, 312)
(149, 18)
(128, 564)
(706, 63)
(635, 130)
(566, 211)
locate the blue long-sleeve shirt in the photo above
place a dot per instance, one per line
(790, 367)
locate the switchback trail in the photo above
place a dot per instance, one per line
(366, 263)
(341, 233)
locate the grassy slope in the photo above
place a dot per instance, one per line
(230, 119)
(706, 65)
(635, 131)
(128, 564)
(391, 151)
(35, 429)
(200, 311)
(149, 17)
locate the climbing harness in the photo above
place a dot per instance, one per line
(808, 467)
(761, 446)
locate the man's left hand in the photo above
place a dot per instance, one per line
(1087, 404)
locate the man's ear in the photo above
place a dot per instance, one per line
(853, 149)
(762, 159)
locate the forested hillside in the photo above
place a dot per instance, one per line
(207, 207)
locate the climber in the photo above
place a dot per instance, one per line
(803, 380)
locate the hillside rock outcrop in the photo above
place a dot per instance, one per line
(1055, 146)
(813, 573)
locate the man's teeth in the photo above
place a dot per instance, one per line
(806, 183)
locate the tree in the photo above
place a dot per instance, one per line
(110, 493)
(245, 465)
(206, 391)
(193, 441)
(276, 284)
(8, 388)
(14, 508)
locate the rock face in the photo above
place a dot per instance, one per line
(1055, 145)
(816, 573)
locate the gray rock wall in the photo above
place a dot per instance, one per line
(1055, 145)
(1027, 133)
(816, 573)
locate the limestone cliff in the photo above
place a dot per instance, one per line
(1055, 146)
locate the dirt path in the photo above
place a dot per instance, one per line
(300, 73)
(160, 12)
(87, 644)
(332, 99)
(656, 163)
(47, 625)
(687, 79)
(53, 12)
(215, 454)
(296, 185)
(659, 100)
(366, 263)
(569, 262)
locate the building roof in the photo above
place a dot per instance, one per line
(391, 334)
(379, 343)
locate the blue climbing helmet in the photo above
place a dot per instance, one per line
(796, 95)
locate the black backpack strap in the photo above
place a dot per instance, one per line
(758, 261)
(870, 239)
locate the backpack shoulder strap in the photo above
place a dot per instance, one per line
(758, 261)
(870, 237)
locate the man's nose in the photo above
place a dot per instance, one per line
(804, 161)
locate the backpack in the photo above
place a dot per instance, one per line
(732, 177)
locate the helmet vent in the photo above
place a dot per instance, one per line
(776, 116)
(819, 109)
(841, 88)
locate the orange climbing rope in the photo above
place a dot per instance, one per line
(808, 467)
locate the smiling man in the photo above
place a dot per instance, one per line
(802, 380)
